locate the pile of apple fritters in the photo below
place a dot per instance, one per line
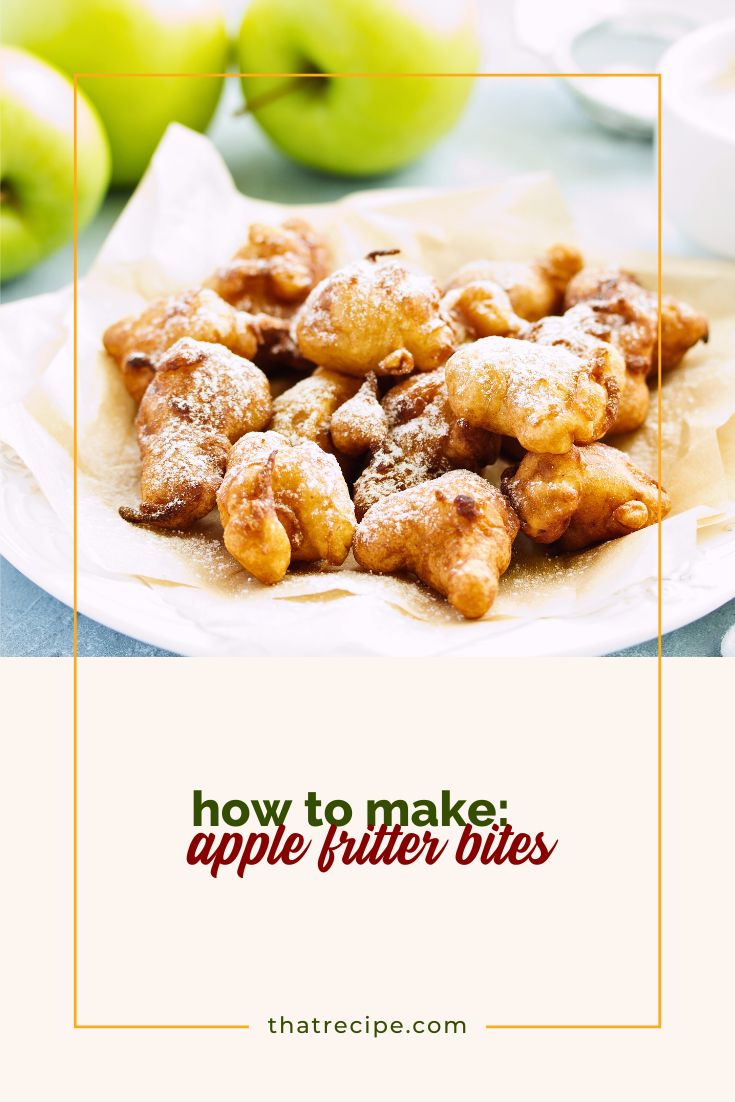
(399, 394)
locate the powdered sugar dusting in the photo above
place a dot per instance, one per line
(375, 315)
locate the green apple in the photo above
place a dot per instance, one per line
(357, 126)
(130, 36)
(37, 185)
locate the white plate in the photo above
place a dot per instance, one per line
(585, 612)
(34, 540)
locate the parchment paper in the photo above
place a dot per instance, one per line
(186, 218)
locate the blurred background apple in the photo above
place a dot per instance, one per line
(130, 36)
(36, 190)
(353, 125)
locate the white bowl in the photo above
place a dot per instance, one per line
(623, 43)
(698, 136)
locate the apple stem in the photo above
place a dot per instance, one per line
(377, 253)
(7, 194)
(272, 95)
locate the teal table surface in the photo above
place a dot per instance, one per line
(512, 125)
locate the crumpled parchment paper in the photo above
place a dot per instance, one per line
(186, 218)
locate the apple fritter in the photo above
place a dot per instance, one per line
(480, 309)
(201, 399)
(631, 313)
(281, 503)
(304, 412)
(375, 315)
(583, 497)
(535, 289)
(274, 270)
(580, 331)
(423, 440)
(635, 401)
(547, 398)
(138, 343)
(620, 307)
(360, 424)
(456, 533)
(681, 328)
(277, 350)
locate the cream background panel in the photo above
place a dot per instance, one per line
(687, 1058)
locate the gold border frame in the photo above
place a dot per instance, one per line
(657, 77)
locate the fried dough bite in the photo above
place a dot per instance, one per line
(579, 331)
(456, 533)
(304, 412)
(635, 397)
(274, 270)
(480, 309)
(584, 497)
(138, 343)
(375, 315)
(535, 289)
(621, 308)
(202, 398)
(631, 312)
(281, 502)
(360, 424)
(635, 401)
(277, 350)
(681, 328)
(547, 398)
(423, 440)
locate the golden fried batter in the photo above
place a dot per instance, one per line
(277, 350)
(275, 270)
(480, 309)
(681, 328)
(138, 343)
(547, 398)
(375, 315)
(304, 412)
(584, 497)
(201, 399)
(423, 440)
(579, 331)
(456, 533)
(535, 289)
(281, 502)
(634, 404)
(360, 424)
(630, 312)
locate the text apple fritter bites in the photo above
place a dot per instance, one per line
(548, 398)
(455, 533)
(583, 497)
(375, 315)
(535, 289)
(423, 440)
(138, 343)
(201, 399)
(281, 503)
